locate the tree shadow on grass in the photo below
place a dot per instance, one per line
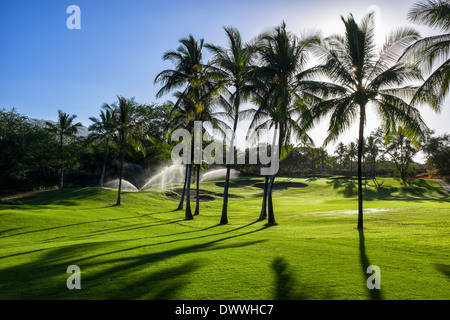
(413, 191)
(108, 274)
(374, 294)
(444, 269)
(171, 221)
(287, 286)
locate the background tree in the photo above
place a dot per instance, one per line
(341, 151)
(352, 152)
(102, 130)
(401, 150)
(372, 147)
(64, 128)
(437, 150)
(27, 158)
(128, 131)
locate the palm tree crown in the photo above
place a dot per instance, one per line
(432, 52)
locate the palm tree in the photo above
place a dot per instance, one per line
(194, 102)
(281, 106)
(372, 147)
(234, 67)
(187, 74)
(354, 76)
(102, 130)
(128, 131)
(64, 128)
(432, 52)
(340, 150)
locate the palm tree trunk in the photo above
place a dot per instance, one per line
(263, 213)
(224, 217)
(102, 177)
(188, 213)
(360, 153)
(180, 205)
(61, 179)
(122, 158)
(270, 203)
(197, 199)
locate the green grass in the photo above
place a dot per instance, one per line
(145, 250)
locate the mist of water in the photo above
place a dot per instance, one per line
(165, 177)
(126, 185)
(219, 174)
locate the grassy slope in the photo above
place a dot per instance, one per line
(145, 250)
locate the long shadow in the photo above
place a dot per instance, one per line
(119, 229)
(374, 294)
(444, 269)
(89, 222)
(207, 244)
(112, 277)
(287, 286)
(159, 285)
(413, 191)
(140, 226)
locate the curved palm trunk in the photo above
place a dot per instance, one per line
(263, 214)
(102, 177)
(122, 157)
(360, 153)
(180, 205)
(271, 215)
(188, 213)
(197, 199)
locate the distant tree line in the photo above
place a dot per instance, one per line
(32, 154)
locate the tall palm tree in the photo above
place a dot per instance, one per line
(188, 75)
(197, 82)
(432, 52)
(281, 105)
(102, 130)
(128, 131)
(354, 76)
(64, 128)
(233, 66)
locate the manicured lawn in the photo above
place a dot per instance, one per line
(145, 250)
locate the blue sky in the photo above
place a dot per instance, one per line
(45, 67)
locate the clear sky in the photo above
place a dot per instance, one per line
(44, 66)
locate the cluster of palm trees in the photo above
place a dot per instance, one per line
(275, 72)
(288, 95)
